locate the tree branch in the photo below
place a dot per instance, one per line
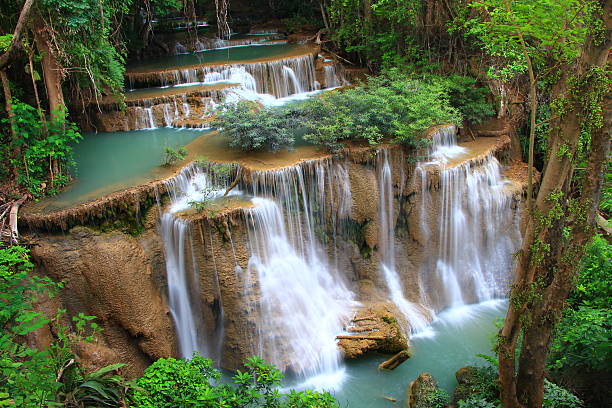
(5, 59)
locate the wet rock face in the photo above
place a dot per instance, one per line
(374, 328)
(117, 278)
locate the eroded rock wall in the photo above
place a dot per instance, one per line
(118, 278)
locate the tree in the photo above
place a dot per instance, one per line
(575, 36)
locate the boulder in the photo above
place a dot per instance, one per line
(420, 392)
(374, 328)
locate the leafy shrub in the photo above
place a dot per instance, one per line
(169, 383)
(172, 155)
(594, 286)
(390, 106)
(45, 148)
(53, 377)
(478, 383)
(475, 402)
(251, 127)
(469, 99)
(582, 339)
(557, 397)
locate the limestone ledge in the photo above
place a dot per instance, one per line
(134, 201)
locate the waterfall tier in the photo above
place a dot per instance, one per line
(264, 77)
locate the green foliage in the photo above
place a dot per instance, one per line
(50, 377)
(583, 336)
(468, 98)
(594, 286)
(583, 339)
(41, 144)
(83, 33)
(605, 202)
(173, 156)
(550, 29)
(475, 402)
(557, 397)
(169, 383)
(385, 35)
(391, 106)
(479, 383)
(252, 127)
(5, 41)
(438, 398)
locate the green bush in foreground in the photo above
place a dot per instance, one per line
(169, 383)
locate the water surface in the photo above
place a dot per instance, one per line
(109, 162)
(242, 54)
(450, 343)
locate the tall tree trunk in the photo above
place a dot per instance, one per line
(8, 100)
(51, 69)
(53, 76)
(547, 262)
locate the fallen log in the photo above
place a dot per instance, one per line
(359, 319)
(395, 361)
(13, 218)
(360, 337)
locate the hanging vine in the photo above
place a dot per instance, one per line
(223, 29)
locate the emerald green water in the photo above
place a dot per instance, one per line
(456, 336)
(109, 162)
(245, 54)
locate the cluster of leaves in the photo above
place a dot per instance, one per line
(30, 377)
(40, 145)
(251, 127)
(168, 383)
(389, 107)
(83, 36)
(583, 337)
(384, 33)
(173, 156)
(480, 389)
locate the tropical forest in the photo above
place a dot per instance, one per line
(305, 204)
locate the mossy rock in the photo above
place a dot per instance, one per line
(424, 393)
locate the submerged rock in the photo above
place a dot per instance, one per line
(374, 328)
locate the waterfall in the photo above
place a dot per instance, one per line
(175, 233)
(269, 77)
(331, 76)
(191, 184)
(416, 318)
(478, 228)
(290, 76)
(303, 301)
(143, 118)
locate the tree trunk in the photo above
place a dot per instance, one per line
(52, 71)
(6, 58)
(547, 263)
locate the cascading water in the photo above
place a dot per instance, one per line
(478, 229)
(416, 318)
(191, 184)
(269, 76)
(303, 301)
(331, 76)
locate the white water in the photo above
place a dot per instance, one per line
(303, 301)
(191, 184)
(416, 318)
(477, 228)
(268, 76)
